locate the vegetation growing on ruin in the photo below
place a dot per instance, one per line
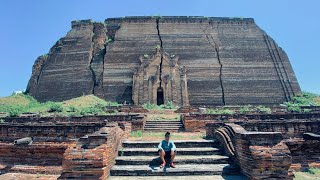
(246, 109)
(220, 111)
(303, 99)
(17, 104)
(44, 56)
(168, 105)
(263, 109)
(243, 110)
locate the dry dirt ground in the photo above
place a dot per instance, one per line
(150, 136)
(23, 176)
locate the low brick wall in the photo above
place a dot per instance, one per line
(305, 153)
(60, 129)
(260, 155)
(47, 132)
(93, 155)
(288, 128)
(78, 119)
(41, 154)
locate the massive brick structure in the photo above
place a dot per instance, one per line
(187, 60)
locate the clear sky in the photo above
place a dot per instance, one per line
(30, 28)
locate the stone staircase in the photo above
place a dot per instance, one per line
(164, 125)
(194, 158)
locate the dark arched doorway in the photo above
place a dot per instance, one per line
(160, 97)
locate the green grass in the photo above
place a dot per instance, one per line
(136, 134)
(85, 105)
(311, 174)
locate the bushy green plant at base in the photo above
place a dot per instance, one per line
(263, 109)
(220, 111)
(55, 107)
(14, 112)
(150, 106)
(303, 99)
(246, 109)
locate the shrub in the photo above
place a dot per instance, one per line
(169, 105)
(220, 111)
(90, 111)
(245, 109)
(44, 56)
(151, 106)
(55, 107)
(264, 109)
(303, 99)
(226, 111)
(73, 109)
(14, 112)
(293, 107)
(2, 121)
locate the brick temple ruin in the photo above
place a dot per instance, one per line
(193, 61)
(190, 61)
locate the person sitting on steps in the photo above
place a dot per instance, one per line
(167, 150)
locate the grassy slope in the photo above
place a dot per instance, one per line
(24, 103)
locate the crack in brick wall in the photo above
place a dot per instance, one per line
(161, 55)
(215, 46)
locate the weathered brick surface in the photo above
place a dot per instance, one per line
(291, 125)
(62, 128)
(40, 153)
(227, 60)
(305, 153)
(93, 155)
(46, 132)
(66, 73)
(261, 155)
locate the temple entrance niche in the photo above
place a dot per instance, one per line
(160, 79)
(160, 97)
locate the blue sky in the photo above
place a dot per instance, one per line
(29, 29)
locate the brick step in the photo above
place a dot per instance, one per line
(180, 151)
(180, 159)
(180, 170)
(179, 144)
(168, 122)
(164, 130)
(190, 177)
(160, 124)
(163, 126)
